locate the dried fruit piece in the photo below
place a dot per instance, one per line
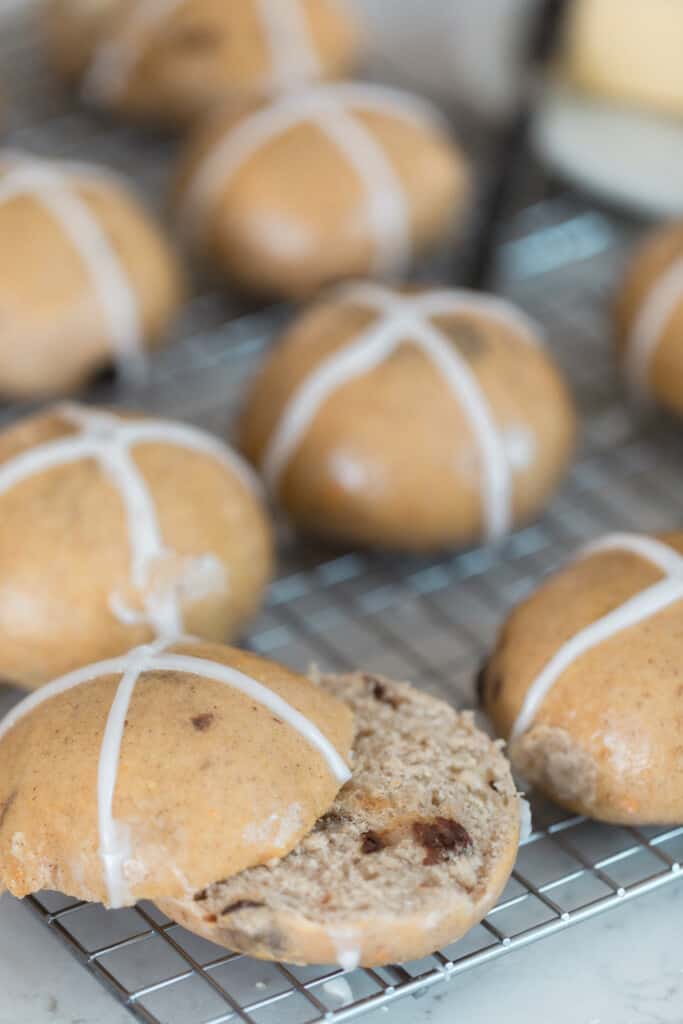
(232, 908)
(440, 838)
(372, 842)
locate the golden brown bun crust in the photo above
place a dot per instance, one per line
(606, 740)
(415, 481)
(205, 52)
(649, 262)
(292, 220)
(209, 782)
(371, 882)
(53, 333)
(64, 549)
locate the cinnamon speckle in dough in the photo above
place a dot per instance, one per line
(203, 722)
(196, 38)
(6, 807)
(330, 820)
(379, 691)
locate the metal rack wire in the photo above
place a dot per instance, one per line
(430, 620)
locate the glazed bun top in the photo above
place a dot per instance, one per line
(117, 529)
(324, 183)
(437, 407)
(649, 319)
(87, 277)
(155, 773)
(590, 661)
(171, 60)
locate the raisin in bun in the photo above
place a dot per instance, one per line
(414, 851)
(87, 279)
(168, 61)
(585, 684)
(649, 319)
(152, 774)
(117, 528)
(414, 421)
(326, 183)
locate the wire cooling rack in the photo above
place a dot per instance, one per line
(429, 620)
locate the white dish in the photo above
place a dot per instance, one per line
(625, 156)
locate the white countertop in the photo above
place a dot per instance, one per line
(623, 967)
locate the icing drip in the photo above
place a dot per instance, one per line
(660, 304)
(638, 608)
(407, 320)
(54, 187)
(115, 850)
(338, 988)
(109, 439)
(292, 53)
(346, 947)
(334, 110)
(526, 827)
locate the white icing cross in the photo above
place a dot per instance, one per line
(333, 109)
(407, 320)
(108, 439)
(661, 302)
(641, 606)
(115, 850)
(285, 26)
(53, 185)
(114, 60)
(292, 52)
